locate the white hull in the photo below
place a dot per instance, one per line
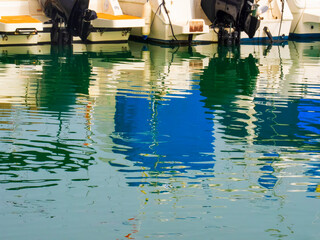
(306, 18)
(182, 11)
(301, 19)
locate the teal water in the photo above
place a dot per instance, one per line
(133, 141)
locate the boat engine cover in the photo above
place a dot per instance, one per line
(74, 13)
(251, 25)
(222, 11)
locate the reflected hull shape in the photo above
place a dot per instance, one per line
(144, 141)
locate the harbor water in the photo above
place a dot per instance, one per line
(138, 141)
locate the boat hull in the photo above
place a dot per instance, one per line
(161, 31)
(306, 19)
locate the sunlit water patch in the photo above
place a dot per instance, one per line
(134, 141)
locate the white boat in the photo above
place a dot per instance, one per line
(169, 21)
(107, 22)
(28, 22)
(306, 18)
(184, 20)
(174, 21)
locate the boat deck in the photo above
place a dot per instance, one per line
(105, 20)
(12, 23)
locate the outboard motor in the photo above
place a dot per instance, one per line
(231, 17)
(75, 16)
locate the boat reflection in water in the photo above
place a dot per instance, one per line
(45, 108)
(163, 128)
(191, 106)
(265, 105)
(195, 137)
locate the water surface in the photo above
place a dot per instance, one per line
(135, 141)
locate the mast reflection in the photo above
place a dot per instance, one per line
(166, 133)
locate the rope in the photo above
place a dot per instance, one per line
(282, 10)
(166, 10)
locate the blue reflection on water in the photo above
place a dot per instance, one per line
(309, 119)
(298, 119)
(267, 180)
(230, 160)
(165, 135)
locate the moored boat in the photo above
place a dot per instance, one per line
(306, 19)
(168, 22)
(107, 22)
(180, 21)
(28, 22)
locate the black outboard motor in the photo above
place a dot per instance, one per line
(233, 15)
(74, 14)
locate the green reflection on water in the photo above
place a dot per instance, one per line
(140, 141)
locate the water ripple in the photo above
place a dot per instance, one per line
(141, 141)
